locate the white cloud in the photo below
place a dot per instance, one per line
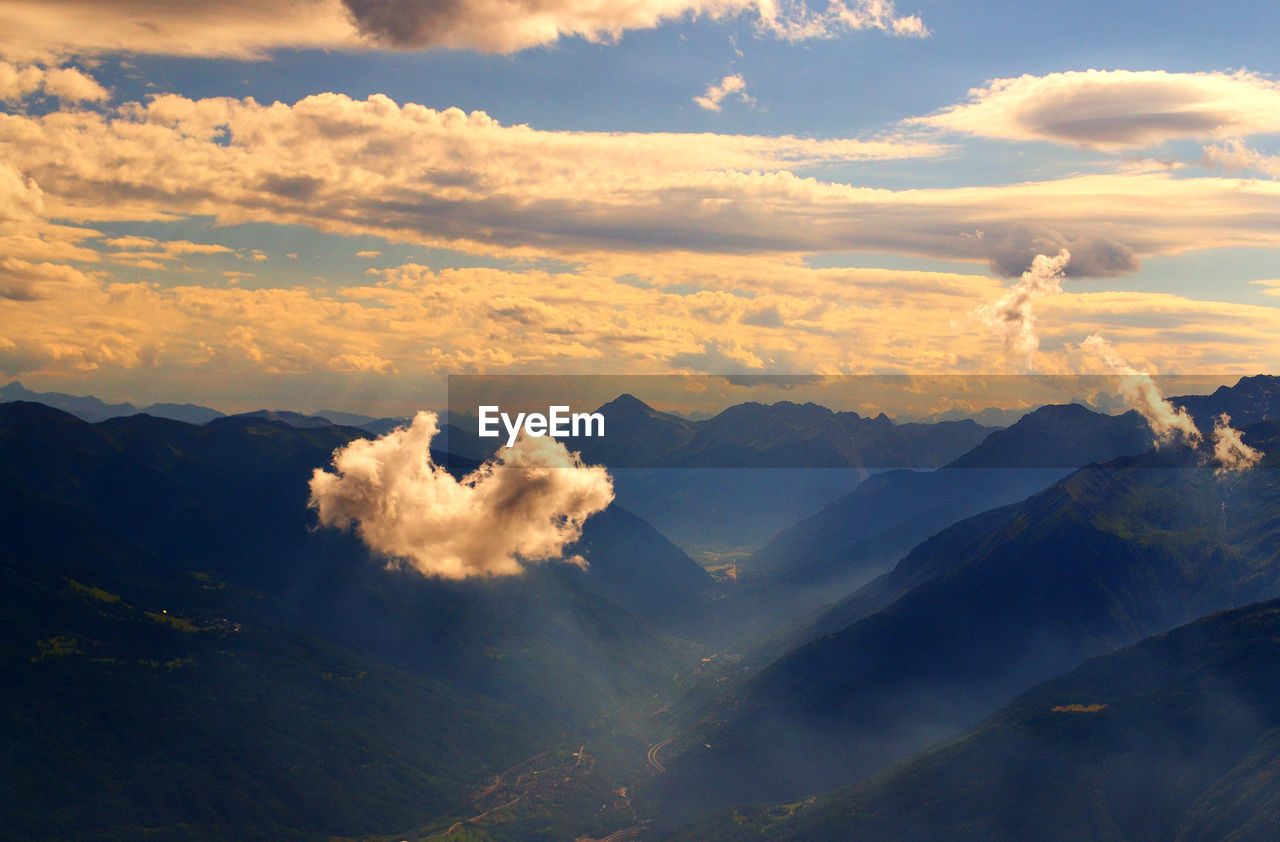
(716, 92)
(525, 507)
(794, 20)
(1117, 109)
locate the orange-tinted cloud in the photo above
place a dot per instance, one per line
(252, 28)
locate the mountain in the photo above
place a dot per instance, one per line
(636, 435)
(1066, 436)
(780, 435)
(92, 409)
(633, 565)
(1107, 556)
(1250, 400)
(284, 416)
(368, 423)
(211, 666)
(864, 533)
(787, 434)
(1176, 737)
(860, 536)
(722, 486)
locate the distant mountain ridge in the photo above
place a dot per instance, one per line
(859, 535)
(93, 410)
(779, 435)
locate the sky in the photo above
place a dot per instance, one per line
(337, 204)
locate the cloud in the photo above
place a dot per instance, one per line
(1012, 319)
(1234, 156)
(18, 82)
(525, 507)
(69, 84)
(1229, 449)
(44, 29)
(363, 362)
(794, 20)
(1011, 249)
(467, 182)
(1168, 423)
(21, 199)
(245, 346)
(252, 28)
(717, 91)
(21, 280)
(150, 253)
(1116, 109)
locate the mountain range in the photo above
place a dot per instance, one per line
(1003, 647)
(988, 607)
(177, 629)
(1176, 737)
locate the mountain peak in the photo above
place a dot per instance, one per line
(627, 401)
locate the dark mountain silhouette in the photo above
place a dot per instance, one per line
(179, 633)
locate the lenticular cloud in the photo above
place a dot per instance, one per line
(525, 506)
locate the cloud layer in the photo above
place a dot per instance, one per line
(251, 28)
(524, 508)
(466, 181)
